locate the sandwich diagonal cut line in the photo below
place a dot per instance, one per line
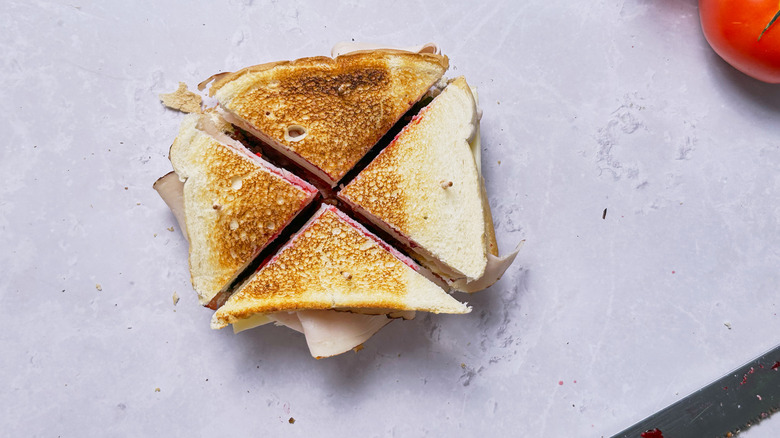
(228, 217)
(326, 113)
(333, 262)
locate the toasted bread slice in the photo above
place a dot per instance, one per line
(425, 188)
(324, 113)
(235, 203)
(335, 263)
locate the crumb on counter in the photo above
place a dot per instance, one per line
(98, 287)
(175, 298)
(182, 100)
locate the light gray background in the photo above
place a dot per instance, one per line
(587, 105)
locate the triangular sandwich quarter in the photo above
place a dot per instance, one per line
(326, 113)
(335, 263)
(235, 203)
(426, 191)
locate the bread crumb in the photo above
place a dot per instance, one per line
(182, 100)
(291, 420)
(156, 389)
(169, 228)
(358, 348)
(175, 298)
(445, 184)
(98, 287)
(462, 365)
(728, 325)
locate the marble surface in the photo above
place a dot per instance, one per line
(616, 105)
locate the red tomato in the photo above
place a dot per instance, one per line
(733, 27)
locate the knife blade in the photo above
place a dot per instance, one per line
(724, 408)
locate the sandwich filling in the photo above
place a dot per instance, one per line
(210, 125)
(290, 154)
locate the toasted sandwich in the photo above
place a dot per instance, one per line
(335, 281)
(426, 191)
(234, 203)
(335, 263)
(326, 113)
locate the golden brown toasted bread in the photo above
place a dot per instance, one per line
(334, 263)
(234, 204)
(327, 113)
(425, 188)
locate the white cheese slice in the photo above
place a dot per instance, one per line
(496, 266)
(287, 319)
(171, 190)
(329, 333)
(251, 322)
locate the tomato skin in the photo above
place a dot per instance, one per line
(732, 28)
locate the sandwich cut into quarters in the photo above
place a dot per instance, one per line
(334, 263)
(426, 191)
(335, 281)
(325, 113)
(234, 203)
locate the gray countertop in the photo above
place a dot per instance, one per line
(587, 106)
